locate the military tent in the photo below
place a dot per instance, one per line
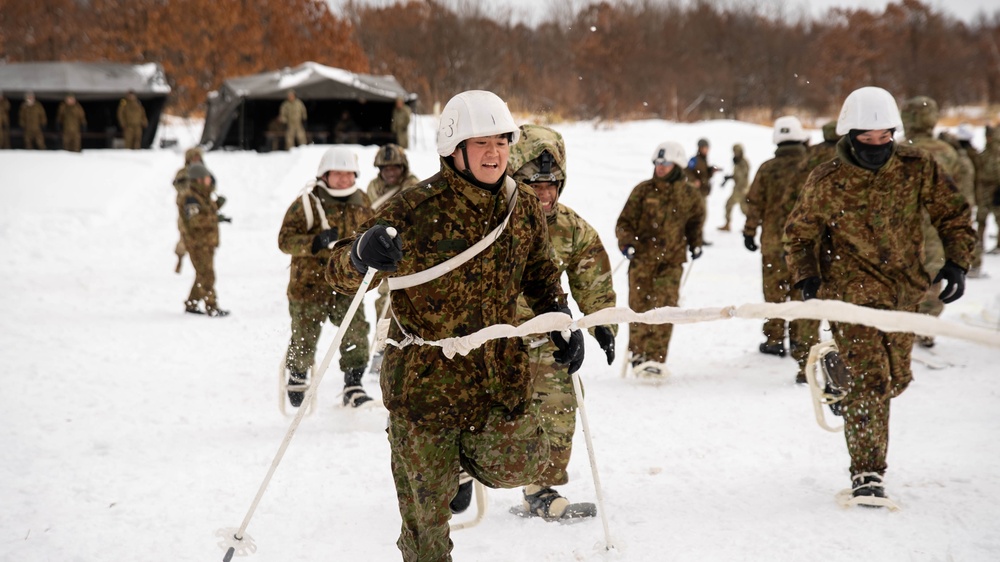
(98, 88)
(342, 107)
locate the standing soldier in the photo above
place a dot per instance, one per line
(988, 187)
(473, 411)
(331, 207)
(539, 160)
(32, 119)
(700, 171)
(181, 184)
(855, 235)
(199, 224)
(663, 216)
(964, 136)
(72, 120)
(132, 120)
(4, 122)
(401, 123)
(771, 198)
(293, 114)
(741, 182)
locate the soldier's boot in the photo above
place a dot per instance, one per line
(773, 348)
(463, 497)
(217, 312)
(836, 377)
(191, 307)
(867, 484)
(544, 502)
(354, 394)
(925, 341)
(298, 384)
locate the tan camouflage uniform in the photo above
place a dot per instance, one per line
(132, 120)
(293, 114)
(32, 119)
(662, 218)
(199, 224)
(741, 184)
(860, 232)
(473, 411)
(71, 118)
(4, 122)
(181, 183)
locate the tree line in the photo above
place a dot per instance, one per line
(646, 58)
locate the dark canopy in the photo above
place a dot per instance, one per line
(98, 87)
(242, 113)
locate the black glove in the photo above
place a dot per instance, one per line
(629, 251)
(224, 218)
(606, 338)
(809, 287)
(749, 243)
(377, 248)
(954, 277)
(695, 252)
(568, 352)
(323, 240)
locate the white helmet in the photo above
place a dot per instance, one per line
(476, 113)
(338, 159)
(869, 109)
(788, 129)
(670, 151)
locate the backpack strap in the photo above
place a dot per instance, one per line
(307, 196)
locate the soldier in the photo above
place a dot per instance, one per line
(700, 171)
(964, 135)
(855, 236)
(72, 120)
(293, 115)
(132, 120)
(4, 122)
(199, 214)
(401, 123)
(769, 202)
(473, 411)
(332, 207)
(32, 119)
(988, 187)
(182, 183)
(741, 182)
(663, 216)
(539, 160)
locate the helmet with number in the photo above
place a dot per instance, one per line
(391, 155)
(472, 114)
(919, 114)
(539, 156)
(868, 109)
(338, 159)
(788, 129)
(670, 152)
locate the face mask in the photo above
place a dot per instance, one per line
(871, 156)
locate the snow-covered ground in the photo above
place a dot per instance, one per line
(131, 431)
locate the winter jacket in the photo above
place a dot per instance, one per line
(199, 214)
(769, 200)
(71, 118)
(131, 114)
(662, 219)
(32, 117)
(292, 112)
(377, 187)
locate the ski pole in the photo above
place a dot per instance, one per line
(608, 545)
(619, 266)
(686, 274)
(235, 540)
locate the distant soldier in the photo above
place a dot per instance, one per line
(181, 183)
(964, 135)
(293, 115)
(401, 123)
(199, 224)
(72, 121)
(4, 122)
(741, 183)
(769, 202)
(988, 187)
(132, 120)
(32, 119)
(699, 171)
(662, 218)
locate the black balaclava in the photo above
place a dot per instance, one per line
(870, 156)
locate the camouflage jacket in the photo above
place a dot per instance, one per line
(989, 166)
(698, 169)
(661, 219)
(580, 254)
(437, 220)
(307, 279)
(32, 117)
(865, 228)
(199, 216)
(769, 202)
(377, 187)
(293, 112)
(400, 119)
(741, 175)
(71, 118)
(131, 114)
(945, 155)
(818, 154)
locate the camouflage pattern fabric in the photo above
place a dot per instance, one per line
(741, 184)
(181, 182)
(988, 184)
(535, 140)
(293, 114)
(401, 124)
(377, 187)
(132, 120)
(307, 321)
(72, 120)
(662, 219)
(32, 119)
(4, 123)
(199, 215)
(700, 173)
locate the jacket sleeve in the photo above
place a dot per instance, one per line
(755, 202)
(696, 221)
(293, 238)
(627, 228)
(589, 272)
(951, 216)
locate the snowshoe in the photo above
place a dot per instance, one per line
(866, 490)
(463, 498)
(551, 506)
(292, 388)
(827, 377)
(925, 342)
(651, 370)
(192, 308)
(479, 492)
(217, 312)
(297, 386)
(773, 349)
(354, 394)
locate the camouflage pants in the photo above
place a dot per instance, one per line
(777, 288)
(736, 198)
(34, 139)
(425, 466)
(983, 212)
(879, 366)
(556, 400)
(307, 321)
(652, 286)
(71, 141)
(202, 258)
(133, 137)
(295, 135)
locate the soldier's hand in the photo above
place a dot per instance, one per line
(380, 247)
(809, 287)
(748, 241)
(606, 339)
(954, 277)
(569, 351)
(323, 240)
(628, 251)
(695, 252)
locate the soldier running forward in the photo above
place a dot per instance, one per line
(661, 220)
(539, 160)
(199, 223)
(473, 412)
(329, 208)
(855, 236)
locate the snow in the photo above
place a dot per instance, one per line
(133, 431)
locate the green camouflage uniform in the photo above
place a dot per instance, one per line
(771, 198)
(199, 224)
(32, 119)
(662, 218)
(4, 122)
(825, 151)
(310, 298)
(741, 183)
(72, 120)
(377, 188)
(860, 232)
(401, 124)
(987, 185)
(700, 173)
(293, 114)
(473, 411)
(132, 120)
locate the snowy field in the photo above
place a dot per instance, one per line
(131, 431)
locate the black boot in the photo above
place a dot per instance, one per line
(773, 349)
(867, 484)
(463, 498)
(354, 394)
(298, 383)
